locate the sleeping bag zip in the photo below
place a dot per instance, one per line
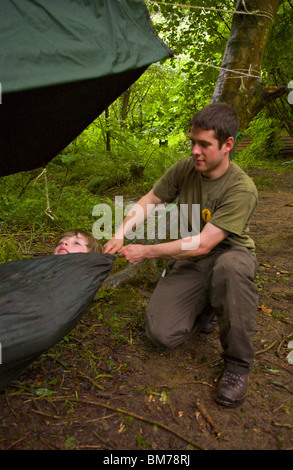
(41, 300)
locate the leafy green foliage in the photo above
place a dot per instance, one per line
(78, 179)
(9, 250)
(265, 133)
(278, 63)
(198, 38)
(42, 204)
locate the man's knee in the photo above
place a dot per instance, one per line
(162, 335)
(235, 263)
(158, 338)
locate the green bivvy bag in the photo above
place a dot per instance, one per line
(62, 63)
(41, 300)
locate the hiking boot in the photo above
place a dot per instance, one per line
(210, 326)
(232, 388)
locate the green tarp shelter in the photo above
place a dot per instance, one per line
(62, 63)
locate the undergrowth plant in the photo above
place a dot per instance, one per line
(265, 134)
(64, 194)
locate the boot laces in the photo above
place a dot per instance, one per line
(235, 380)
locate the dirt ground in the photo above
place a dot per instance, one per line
(105, 387)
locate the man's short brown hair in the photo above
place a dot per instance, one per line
(219, 117)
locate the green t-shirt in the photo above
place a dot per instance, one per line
(227, 202)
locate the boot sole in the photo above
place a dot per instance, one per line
(230, 404)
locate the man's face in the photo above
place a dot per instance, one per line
(76, 244)
(209, 159)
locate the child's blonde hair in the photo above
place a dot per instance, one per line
(93, 245)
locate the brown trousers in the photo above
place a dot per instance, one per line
(194, 290)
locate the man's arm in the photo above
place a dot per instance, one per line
(140, 211)
(183, 248)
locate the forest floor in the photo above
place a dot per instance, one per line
(106, 387)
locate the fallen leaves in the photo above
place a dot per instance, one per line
(265, 309)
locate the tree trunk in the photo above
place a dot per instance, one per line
(242, 88)
(124, 107)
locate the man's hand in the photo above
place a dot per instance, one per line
(113, 246)
(135, 254)
(138, 214)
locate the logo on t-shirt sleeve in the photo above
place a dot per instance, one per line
(206, 215)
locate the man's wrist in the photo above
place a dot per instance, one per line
(152, 251)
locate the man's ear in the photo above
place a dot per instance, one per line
(229, 143)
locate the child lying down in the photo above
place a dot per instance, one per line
(42, 299)
(77, 241)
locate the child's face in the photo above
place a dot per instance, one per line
(75, 244)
